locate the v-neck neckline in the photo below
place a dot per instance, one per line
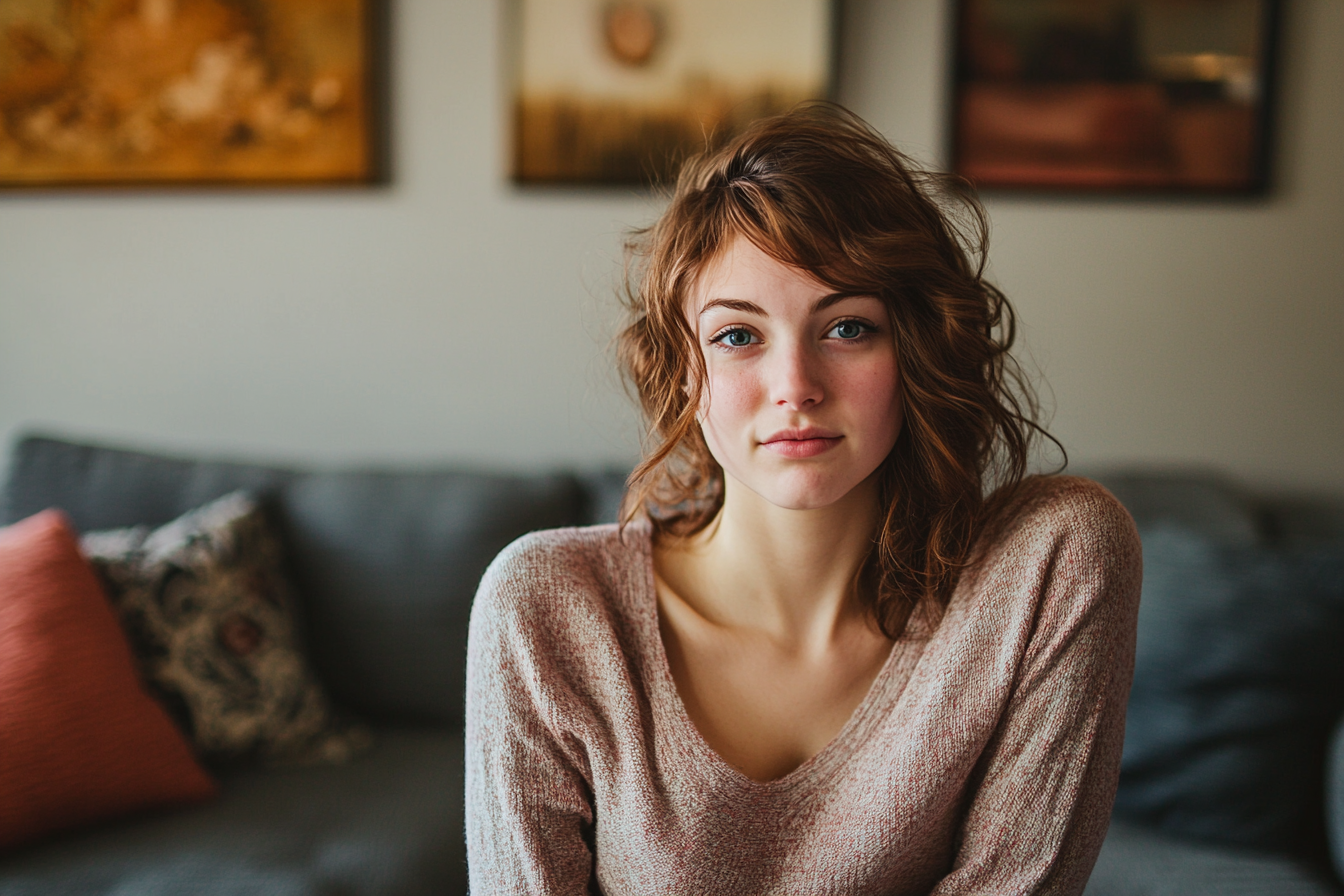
(669, 706)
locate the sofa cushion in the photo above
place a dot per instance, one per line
(208, 608)
(1238, 678)
(394, 559)
(80, 740)
(1139, 862)
(389, 823)
(1334, 797)
(386, 563)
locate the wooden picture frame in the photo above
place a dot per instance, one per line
(1114, 96)
(191, 92)
(612, 92)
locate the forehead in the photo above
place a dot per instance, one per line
(742, 270)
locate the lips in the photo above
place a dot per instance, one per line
(796, 443)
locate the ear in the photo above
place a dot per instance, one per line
(702, 401)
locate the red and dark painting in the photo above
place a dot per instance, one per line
(1114, 94)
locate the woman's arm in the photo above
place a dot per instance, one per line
(1045, 784)
(529, 812)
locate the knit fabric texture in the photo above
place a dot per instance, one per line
(983, 759)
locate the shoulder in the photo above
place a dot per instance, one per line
(1060, 534)
(556, 615)
(559, 559)
(1060, 511)
(546, 584)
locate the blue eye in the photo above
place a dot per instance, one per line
(736, 338)
(850, 330)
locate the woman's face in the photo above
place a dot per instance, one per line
(803, 395)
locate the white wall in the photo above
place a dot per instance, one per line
(452, 317)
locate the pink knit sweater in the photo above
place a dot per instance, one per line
(983, 759)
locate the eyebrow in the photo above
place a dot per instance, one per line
(745, 307)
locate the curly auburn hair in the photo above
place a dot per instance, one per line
(818, 189)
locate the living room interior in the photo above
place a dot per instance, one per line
(450, 318)
(451, 315)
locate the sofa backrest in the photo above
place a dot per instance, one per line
(1222, 511)
(387, 563)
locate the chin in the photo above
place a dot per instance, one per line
(807, 494)
(808, 502)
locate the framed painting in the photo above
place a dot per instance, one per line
(621, 91)
(1114, 95)
(188, 92)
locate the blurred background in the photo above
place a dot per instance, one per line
(453, 316)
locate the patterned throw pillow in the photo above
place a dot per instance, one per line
(208, 610)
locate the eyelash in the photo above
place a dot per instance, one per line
(866, 329)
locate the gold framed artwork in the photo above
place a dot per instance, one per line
(1115, 95)
(621, 91)
(145, 92)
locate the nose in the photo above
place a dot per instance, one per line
(795, 378)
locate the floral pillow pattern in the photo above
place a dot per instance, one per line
(208, 610)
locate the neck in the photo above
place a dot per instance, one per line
(787, 573)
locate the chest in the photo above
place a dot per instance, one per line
(764, 710)
(870, 815)
(775, 784)
(769, 851)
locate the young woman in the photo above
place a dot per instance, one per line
(842, 645)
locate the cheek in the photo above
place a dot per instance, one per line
(729, 399)
(878, 392)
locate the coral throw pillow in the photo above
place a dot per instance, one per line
(80, 740)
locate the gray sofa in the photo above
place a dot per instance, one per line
(1238, 690)
(387, 563)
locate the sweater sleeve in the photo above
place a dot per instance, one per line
(529, 812)
(1041, 794)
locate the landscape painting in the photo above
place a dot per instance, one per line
(184, 91)
(621, 92)
(1115, 95)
